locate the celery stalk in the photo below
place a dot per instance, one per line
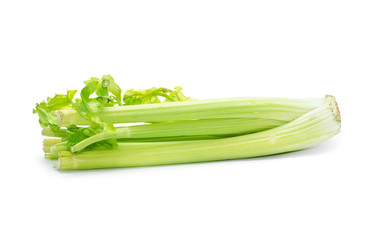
(49, 133)
(170, 139)
(312, 128)
(212, 127)
(49, 142)
(283, 109)
(51, 156)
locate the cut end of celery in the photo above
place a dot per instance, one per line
(59, 115)
(334, 107)
(66, 163)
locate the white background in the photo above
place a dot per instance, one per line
(213, 49)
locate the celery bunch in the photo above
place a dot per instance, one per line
(167, 127)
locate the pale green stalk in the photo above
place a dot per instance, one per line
(306, 131)
(54, 150)
(49, 133)
(169, 139)
(283, 109)
(211, 127)
(51, 156)
(49, 142)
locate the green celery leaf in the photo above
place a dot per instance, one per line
(95, 95)
(46, 108)
(113, 87)
(75, 134)
(90, 108)
(151, 95)
(177, 95)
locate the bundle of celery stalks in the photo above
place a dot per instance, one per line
(159, 126)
